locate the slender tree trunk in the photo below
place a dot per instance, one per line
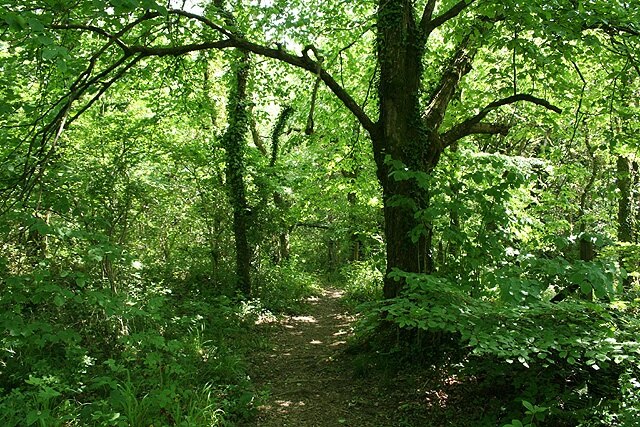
(635, 169)
(355, 246)
(623, 182)
(234, 144)
(587, 250)
(284, 249)
(624, 179)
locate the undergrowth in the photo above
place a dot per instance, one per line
(75, 352)
(361, 282)
(93, 337)
(569, 363)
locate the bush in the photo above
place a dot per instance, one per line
(362, 282)
(282, 288)
(569, 357)
(76, 353)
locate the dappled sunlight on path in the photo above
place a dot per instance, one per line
(305, 375)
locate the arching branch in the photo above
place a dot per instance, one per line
(473, 124)
(60, 114)
(428, 23)
(306, 63)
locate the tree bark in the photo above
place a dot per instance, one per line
(402, 138)
(407, 135)
(625, 200)
(234, 144)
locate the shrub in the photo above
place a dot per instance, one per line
(282, 288)
(362, 282)
(569, 356)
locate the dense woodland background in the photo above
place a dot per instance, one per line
(168, 173)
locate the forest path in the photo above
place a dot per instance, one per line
(308, 378)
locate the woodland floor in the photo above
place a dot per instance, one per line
(307, 378)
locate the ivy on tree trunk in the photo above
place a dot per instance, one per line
(234, 144)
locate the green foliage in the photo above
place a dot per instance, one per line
(89, 355)
(629, 255)
(116, 236)
(283, 288)
(362, 282)
(565, 355)
(533, 415)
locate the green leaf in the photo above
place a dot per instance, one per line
(33, 416)
(15, 21)
(61, 64)
(50, 52)
(58, 300)
(35, 25)
(585, 288)
(81, 281)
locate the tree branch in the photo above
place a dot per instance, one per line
(114, 38)
(90, 28)
(427, 14)
(459, 66)
(429, 25)
(209, 23)
(304, 62)
(255, 136)
(234, 41)
(612, 29)
(41, 137)
(472, 125)
(310, 65)
(179, 50)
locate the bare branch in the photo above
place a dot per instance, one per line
(429, 25)
(90, 28)
(427, 14)
(472, 124)
(459, 66)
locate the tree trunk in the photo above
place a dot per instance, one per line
(234, 144)
(403, 137)
(586, 248)
(355, 246)
(623, 182)
(635, 201)
(283, 250)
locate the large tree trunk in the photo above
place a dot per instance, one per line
(403, 137)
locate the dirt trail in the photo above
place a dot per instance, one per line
(309, 379)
